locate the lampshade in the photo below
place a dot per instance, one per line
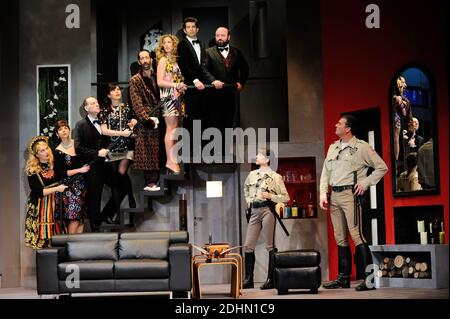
(214, 189)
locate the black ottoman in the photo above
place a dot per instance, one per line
(297, 269)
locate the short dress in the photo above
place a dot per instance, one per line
(173, 104)
(73, 198)
(117, 119)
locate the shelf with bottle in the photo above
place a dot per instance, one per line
(297, 210)
(299, 176)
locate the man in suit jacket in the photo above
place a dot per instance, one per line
(191, 55)
(91, 145)
(225, 65)
(414, 141)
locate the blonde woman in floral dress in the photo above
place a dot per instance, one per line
(170, 82)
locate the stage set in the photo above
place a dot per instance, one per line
(287, 75)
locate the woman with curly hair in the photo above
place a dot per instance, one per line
(170, 81)
(40, 224)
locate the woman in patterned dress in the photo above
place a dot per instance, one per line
(40, 224)
(402, 112)
(67, 164)
(170, 82)
(117, 121)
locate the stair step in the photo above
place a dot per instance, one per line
(172, 177)
(132, 210)
(159, 193)
(135, 210)
(115, 226)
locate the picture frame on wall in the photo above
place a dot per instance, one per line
(53, 97)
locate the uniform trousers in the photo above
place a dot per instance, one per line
(261, 219)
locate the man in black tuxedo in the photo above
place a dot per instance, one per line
(414, 141)
(191, 55)
(90, 145)
(225, 65)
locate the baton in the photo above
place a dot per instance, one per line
(272, 209)
(356, 202)
(207, 86)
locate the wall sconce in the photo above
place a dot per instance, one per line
(214, 189)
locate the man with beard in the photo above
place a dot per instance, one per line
(144, 94)
(225, 65)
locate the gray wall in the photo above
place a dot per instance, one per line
(9, 147)
(44, 39)
(306, 130)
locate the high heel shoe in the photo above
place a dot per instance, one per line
(172, 171)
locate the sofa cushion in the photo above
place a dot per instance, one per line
(62, 239)
(172, 236)
(143, 248)
(92, 250)
(88, 269)
(141, 268)
(297, 258)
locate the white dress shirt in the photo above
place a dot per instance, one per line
(97, 125)
(225, 52)
(196, 48)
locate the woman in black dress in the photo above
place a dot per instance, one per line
(67, 164)
(116, 120)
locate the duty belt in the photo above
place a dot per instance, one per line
(259, 204)
(341, 188)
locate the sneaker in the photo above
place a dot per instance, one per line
(152, 188)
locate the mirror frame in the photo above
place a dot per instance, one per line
(433, 109)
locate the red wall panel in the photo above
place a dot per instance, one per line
(358, 66)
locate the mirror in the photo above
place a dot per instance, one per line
(415, 168)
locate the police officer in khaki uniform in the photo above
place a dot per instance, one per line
(344, 157)
(262, 188)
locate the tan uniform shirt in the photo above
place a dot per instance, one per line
(340, 164)
(270, 181)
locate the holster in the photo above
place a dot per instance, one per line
(248, 213)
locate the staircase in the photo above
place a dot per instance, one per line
(142, 206)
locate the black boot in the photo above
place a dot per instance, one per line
(269, 282)
(131, 200)
(249, 267)
(365, 259)
(344, 269)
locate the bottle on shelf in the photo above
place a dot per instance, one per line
(310, 206)
(442, 234)
(294, 208)
(280, 211)
(287, 211)
(432, 234)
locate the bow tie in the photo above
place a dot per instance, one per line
(195, 41)
(222, 49)
(96, 122)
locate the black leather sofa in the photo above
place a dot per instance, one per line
(115, 262)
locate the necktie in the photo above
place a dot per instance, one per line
(96, 121)
(223, 49)
(195, 42)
